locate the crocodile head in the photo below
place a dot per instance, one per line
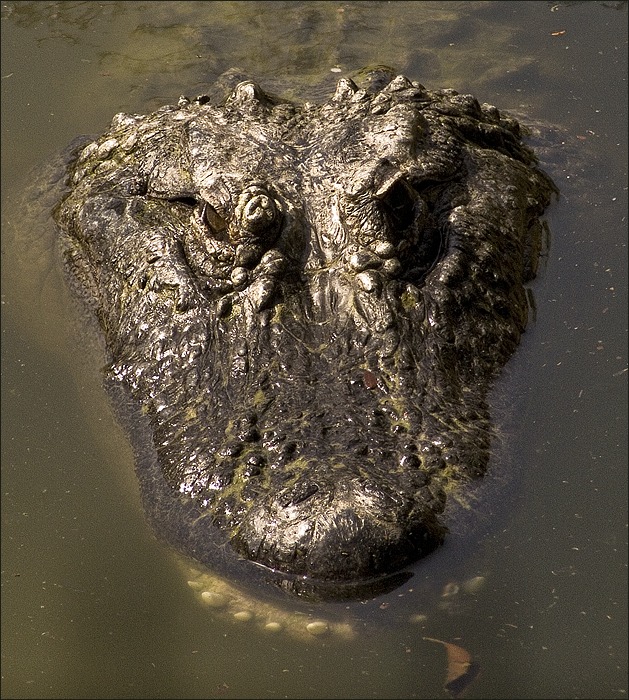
(309, 304)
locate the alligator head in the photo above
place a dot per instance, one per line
(310, 303)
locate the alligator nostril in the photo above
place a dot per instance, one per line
(299, 493)
(380, 256)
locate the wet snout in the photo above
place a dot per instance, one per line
(342, 529)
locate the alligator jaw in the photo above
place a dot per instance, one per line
(322, 469)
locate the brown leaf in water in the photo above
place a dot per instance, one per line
(461, 669)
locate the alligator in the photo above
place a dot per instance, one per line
(303, 308)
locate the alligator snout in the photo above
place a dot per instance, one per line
(339, 529)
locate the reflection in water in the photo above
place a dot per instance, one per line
(339, 621)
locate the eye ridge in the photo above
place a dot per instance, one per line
(186, 200)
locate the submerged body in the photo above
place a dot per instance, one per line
(304, 308)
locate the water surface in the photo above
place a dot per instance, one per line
(92, 605)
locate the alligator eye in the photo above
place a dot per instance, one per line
(399, 203)
(212, 219)
(206, 216)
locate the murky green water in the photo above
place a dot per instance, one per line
(92, 605)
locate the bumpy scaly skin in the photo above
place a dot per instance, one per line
(310, 304)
